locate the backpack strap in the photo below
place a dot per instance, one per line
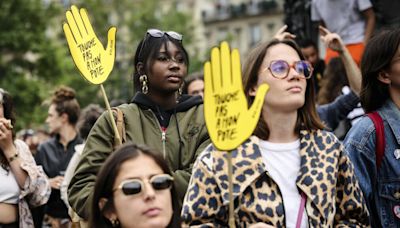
(380, 137)
(120, 122)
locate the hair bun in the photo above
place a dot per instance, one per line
(63, 93)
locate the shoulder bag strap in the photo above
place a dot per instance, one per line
(380, 137)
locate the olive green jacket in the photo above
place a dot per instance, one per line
(142, 127)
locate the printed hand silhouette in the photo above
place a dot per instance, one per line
(93, 61)
(228, 119)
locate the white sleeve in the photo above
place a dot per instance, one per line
(315, 16)
(363, 5)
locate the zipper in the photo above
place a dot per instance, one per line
(163, 134)
(163, 139)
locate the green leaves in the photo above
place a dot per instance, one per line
(34, 56)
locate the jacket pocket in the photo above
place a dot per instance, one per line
(389, 202)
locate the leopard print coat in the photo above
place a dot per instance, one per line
(326, 176)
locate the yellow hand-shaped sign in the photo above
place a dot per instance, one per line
(93, 61)
(228, 119)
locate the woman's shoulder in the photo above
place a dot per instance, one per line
(24, 152)
(319, 135)
(22, 148)
(247, 151)
(363, 128)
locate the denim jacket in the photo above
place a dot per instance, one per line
(381, 189)
(331, 114)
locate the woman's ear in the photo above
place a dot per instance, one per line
(383, 76)
(253, 91)
(107, 210)
(64, 117)
(140, 68)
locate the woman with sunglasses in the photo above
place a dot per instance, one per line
(134, 188)
(291, 172)
(157, 116)
(23, 184)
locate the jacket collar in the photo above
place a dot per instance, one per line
(249, 155)
(391, 113)
(185, 102)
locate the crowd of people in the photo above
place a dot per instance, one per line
(296, 170)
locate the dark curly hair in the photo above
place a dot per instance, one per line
(9, 113)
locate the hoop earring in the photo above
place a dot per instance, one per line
(143, 81)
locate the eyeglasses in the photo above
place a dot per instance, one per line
(136, 186)
(280, 68)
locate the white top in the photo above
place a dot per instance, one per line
(343, 17)
(69, 172)
(9, 190)
(282, 161)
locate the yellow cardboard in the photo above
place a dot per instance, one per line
(93, 61)
(229, 120)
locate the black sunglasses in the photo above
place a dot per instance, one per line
(158, 33)
(136, 186)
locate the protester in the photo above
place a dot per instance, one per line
(134, 188)
(334, 80)
(335, 111)
(24, 184)
(353, 20)
(311, 54)
(87, 119)
(157, 116)
(194, 85)
(379, 175)
(289, 166)
(55, 154)
(333, 85)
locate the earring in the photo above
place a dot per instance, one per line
(180, 90)
(143, 81)
(179, 93)
(114, 222)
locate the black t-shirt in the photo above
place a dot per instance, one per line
(54, 159)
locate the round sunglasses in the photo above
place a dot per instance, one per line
(136, 186)
(280, 68)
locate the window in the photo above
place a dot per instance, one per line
(255, 34)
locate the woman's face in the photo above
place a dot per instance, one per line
(394, 73)
(168, 70)
(196, 87)
(284, 95)
(54, 120)
(149, 208)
